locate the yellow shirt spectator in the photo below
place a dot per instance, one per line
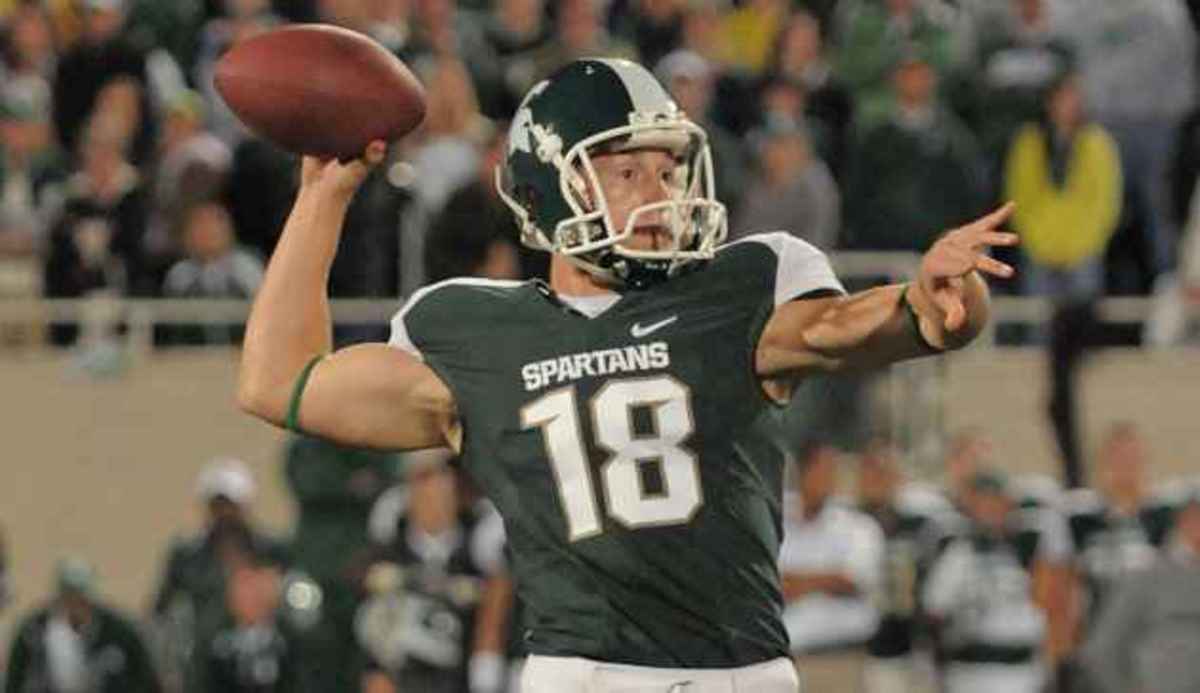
(1064, 224)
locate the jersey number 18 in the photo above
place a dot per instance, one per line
(612, 409)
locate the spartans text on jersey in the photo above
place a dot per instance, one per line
(561, 369)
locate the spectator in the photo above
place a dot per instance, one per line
(799, 58)
(1148, 639)
(30, 49)
(30, 170)
(515, 30)
(691, 81)
(912, 535)
(1177, 294)
(793, 190)
(579, 33)
(190, 603)
(78, 643)
(1118, 530)
(966, 453)
(193, 166)
(97, 240)
(252, 650)
(1064, 174)
(446, 157)
(1017, 56)
(878, 34)
(749, 32)
(334, 489)
(992, 594)
(475, 235)
(653, 27)
(433, 563)
(831, 563)
(102, 55)
(214, 266)
(916, 170)
(1139, 75)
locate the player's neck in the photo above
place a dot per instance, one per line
(570, 280)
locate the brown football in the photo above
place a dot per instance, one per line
(319, 89)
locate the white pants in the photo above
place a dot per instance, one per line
(576, 675)
(994, 678)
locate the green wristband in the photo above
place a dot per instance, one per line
(914, 321)
(292, 422)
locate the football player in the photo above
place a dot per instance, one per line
(614, 415)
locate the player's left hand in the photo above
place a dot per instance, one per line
(945, 266)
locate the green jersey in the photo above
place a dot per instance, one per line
(626, 449)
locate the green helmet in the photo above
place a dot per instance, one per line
(549, 182)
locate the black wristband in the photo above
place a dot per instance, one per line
(914, 323)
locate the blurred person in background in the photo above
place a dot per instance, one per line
(77, 643)
(95, 244)
(445, 157)
(1148, 637)
(966, 453)
(252, 649)
(193, 165)
(1014, 54)
(30, 48)
(912, 535)
(799, 58)
(1064, 173)
(426, 583)
(1118, 528)
(334, 488)
(691, 81)
(792, 188)
(996, 594)
(190, 602)
(103, 54)
(918, 168)
(750, 30)
(1172, 318)
(653, 27)
(579, 33)
(213, 266)
(1138, 65)
(515, 30)
(31, 174)
(475, 235)
(875, 35)
(831, 563)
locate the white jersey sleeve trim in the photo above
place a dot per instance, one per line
(400, 338)
(802, 267)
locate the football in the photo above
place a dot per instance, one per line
(320, 90)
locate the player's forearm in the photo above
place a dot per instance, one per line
(290, 320)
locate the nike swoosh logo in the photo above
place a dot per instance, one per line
(638, 331)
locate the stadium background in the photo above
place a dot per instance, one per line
(107, 427)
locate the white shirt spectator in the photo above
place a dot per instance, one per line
(837, 540)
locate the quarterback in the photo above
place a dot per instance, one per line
(616, 414)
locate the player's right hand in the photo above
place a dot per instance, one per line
(341, 178)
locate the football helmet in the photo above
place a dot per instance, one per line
(548, 180)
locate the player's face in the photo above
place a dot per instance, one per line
(635, 178)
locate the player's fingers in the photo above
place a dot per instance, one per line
(996, 218)
(950, 303)
(992, 266)
(997, 238)
(375, 152)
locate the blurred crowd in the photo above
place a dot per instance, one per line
(394, 578)
(855, 124)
